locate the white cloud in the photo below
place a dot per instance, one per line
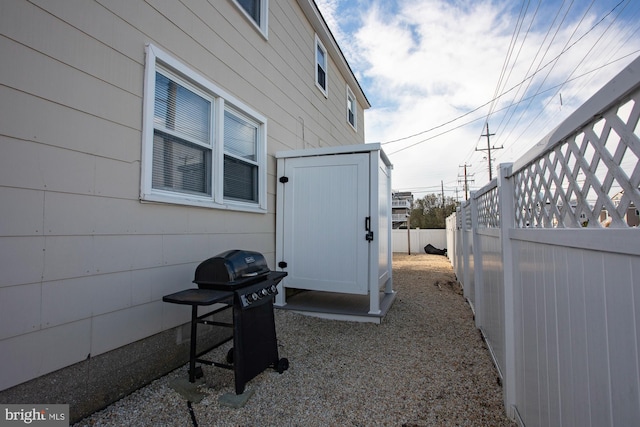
(425, 62)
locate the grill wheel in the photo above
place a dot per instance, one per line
(283, 365)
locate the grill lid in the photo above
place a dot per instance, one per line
(231, 268)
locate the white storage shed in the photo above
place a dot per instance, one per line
(333, 231)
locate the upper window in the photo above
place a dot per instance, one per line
(200, 145)
(321, 66)
(256, 11)
(352, 108)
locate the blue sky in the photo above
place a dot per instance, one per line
(436, 71)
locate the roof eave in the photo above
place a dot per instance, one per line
(318, 23)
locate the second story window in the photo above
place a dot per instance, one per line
(321, 66)
(252, 7)
(351, 108)
(256, 11)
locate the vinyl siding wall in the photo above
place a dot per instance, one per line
(84, 263)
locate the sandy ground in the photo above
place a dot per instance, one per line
(425, 365)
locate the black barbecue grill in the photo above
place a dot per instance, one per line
(241, 280)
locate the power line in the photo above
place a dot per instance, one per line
(510, 148)
(552, 61)
(510, 116)
(522, 113)
(512, 43)
(504, 108)
(581, 61)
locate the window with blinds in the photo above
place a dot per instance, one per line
(201, 146)
(321, 66)
(240, 157)
(181, 138)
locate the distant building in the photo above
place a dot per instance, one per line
(401, 204)
(632, 215)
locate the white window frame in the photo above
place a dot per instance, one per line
(351, 100)
(263, 26)
(318, 45)
(157, 59)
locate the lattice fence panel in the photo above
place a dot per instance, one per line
(591, 179)
(488, 209)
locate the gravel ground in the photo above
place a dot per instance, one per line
(425, 365)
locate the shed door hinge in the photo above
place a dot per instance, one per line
(282, 264)
(284, 179)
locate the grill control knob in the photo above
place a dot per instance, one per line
(250, 298)
(264, 292)
(254, 297)
(273, 289)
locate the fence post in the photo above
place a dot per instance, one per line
(465, 250)
(507, 222)
(459, 259)
(478, 279)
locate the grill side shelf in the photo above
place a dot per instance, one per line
(198, 297)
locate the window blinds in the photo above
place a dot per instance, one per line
(182, 142)
(240, 160)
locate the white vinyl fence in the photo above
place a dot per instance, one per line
(417, 240)
(549, 258)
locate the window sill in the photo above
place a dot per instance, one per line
(322, 90)
(202, 202)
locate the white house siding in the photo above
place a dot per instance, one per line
(84, 263)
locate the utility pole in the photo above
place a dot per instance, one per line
(488, 150)
(444, 219)
(465, 181)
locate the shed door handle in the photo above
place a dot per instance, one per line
(367, 227)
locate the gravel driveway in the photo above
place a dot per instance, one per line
(425, 365)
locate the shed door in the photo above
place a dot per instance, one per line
(326, 202)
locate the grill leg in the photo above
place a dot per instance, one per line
(192, 346)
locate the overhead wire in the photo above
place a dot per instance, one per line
(505, 135)
(524, 39)
(611, 52)
(491, 101)
(499, 84)
(513, 64)
(496, 111)
(514, 38)
(566, 95)
(575, 68)
(508, 116)
(613, 45)
(540, 69)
